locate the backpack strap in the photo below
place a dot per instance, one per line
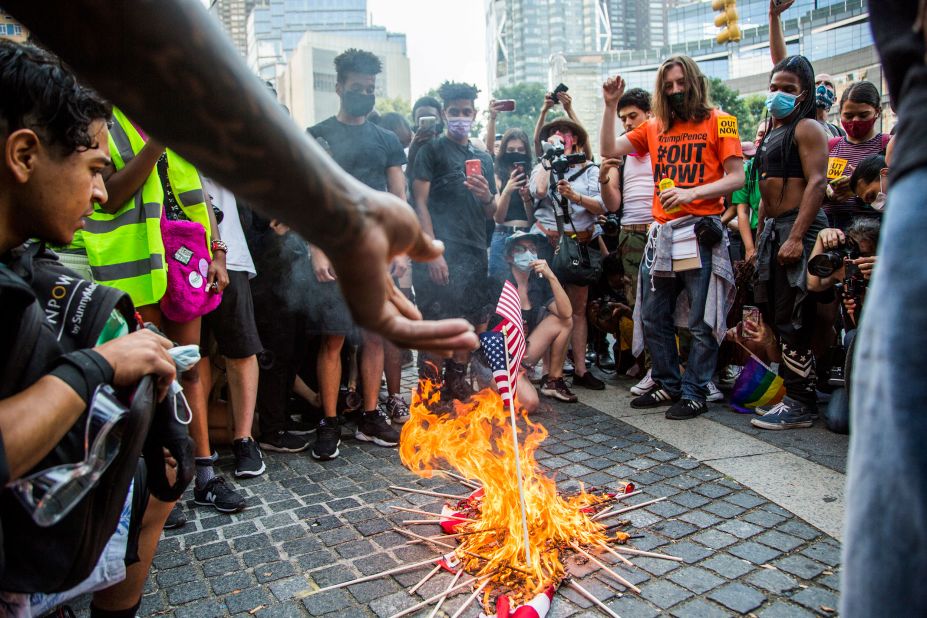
(16, 293)
(833, 142)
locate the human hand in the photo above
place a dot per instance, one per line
(438, 271)
(790, 252)
(606, 166)
(399, 266)
(758, 332)
(849, 304)
(494, 108)
(139, 354)
(321, 266)
(613, 90)
(566, 190)
(278, 227)
(479, 187)
(525, 194)
(217, 277)
(391, 228)
(517, 179)
(750, 255)
(422, 136)
(566, 100)
(831, 238)
(841, 189)
(542, 268)
(777, 9)
(865, 264)
(676, 197)
(549, 102)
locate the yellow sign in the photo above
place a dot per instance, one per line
(727, 127)
(835, 167)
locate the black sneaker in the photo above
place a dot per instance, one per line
(327, 439)
(587, 380)
(557, 389)
(249, 460)
(655, 397)
(374, 427)
(219, 495)
(176, 519)
(685, 409)
(284, 442)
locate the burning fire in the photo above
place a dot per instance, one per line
(475, 438)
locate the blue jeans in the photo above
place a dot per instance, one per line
(659, 305)
(885, 548)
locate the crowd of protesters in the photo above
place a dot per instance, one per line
(673, 252)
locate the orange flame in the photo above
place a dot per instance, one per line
(475, 438)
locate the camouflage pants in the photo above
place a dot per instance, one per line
(631, 249)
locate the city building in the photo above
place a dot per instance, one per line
(306, 84)
(833, 34)
(11, 29)
(234, 17)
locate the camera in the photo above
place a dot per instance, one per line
(612, 225)
(825, 264)
(558, 161)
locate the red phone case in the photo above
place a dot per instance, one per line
(474, 167)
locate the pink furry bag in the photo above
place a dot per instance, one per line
(187, 258)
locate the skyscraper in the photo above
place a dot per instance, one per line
(234, 17)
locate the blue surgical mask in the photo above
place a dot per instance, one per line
(459, 127)
(523, 260)
(781, 104)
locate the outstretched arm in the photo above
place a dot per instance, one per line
(777, 48)
(172, 69)
(610, 146)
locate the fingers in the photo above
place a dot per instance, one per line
(441, 336)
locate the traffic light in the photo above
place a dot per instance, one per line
(727, 21)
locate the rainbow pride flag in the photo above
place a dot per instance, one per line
(756, 386)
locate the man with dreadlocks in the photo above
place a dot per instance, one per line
(791, 168)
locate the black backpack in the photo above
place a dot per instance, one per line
(60, 313)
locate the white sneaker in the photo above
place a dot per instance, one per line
(729, 376)
(713, 393)
(644, 385)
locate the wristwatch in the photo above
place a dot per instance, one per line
(219, 245)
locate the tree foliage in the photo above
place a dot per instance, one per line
(396, 104)
(748, 110)
(529, 97)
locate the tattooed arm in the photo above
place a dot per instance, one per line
(172, 69)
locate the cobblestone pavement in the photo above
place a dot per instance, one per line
(309, 525)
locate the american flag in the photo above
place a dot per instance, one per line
(494, 349)
(512, 326)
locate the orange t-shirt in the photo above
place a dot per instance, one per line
(692, 154)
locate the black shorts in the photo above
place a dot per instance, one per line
(465, 295)
(328, 311)
(232, 323)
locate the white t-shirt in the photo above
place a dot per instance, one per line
(637, 192)
(238, 257)
(586, 184)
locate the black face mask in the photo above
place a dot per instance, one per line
(357, 104)
(677, 101)
(509, 159)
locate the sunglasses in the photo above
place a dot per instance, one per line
(50, 494)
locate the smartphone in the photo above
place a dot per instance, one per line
(560, 88)
(520, 166)
(751, 316)
(427, 123)
(474, 167)
(505, 105)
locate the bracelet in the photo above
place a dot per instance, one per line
(83, 371)
(219, 245)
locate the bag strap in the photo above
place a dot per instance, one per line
(833, 142)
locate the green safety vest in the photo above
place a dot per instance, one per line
(124, 248)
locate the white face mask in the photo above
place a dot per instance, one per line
(879, 202)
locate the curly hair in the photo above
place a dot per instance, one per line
(41, 94)
(356, 61)
(638, 97)
(455, 91)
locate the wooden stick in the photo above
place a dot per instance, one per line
(518, 475)
(648, 554)
(431, 600)
(428, 493)
(407, 567)
(431, 574)
(473, 485)
(592, 598)
(608, 510)
(616, 554)
(418, 512)
(417, 522)
(422, 538)
(470, 599)
(446, 592)
(636, 506)
(607, 569)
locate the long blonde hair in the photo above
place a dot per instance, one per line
(698, 93)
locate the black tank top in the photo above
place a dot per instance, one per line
(773, 163)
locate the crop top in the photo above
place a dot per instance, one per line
(770, 160)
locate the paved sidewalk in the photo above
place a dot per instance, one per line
(309, 525)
